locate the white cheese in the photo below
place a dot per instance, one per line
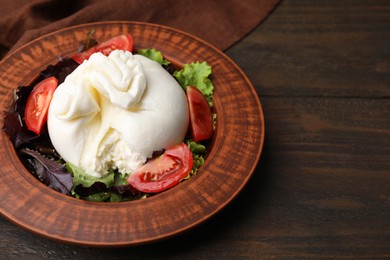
(115, 111)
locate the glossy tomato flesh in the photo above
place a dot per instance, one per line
(121, 42)
(201, 117)
(37, 106)
(163, 172)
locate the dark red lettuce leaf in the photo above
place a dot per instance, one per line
(50, 172)
(99, 192)
(14, 125)
(60, 70)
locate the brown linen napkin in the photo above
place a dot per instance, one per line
(221, 22)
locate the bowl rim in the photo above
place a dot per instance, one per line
(72, 200)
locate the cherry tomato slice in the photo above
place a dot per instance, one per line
(201, 117)
(163, 172)
(35, 113)
(121, 42)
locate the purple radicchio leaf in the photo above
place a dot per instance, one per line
(50, 172)
(60, 70)
(14, 125)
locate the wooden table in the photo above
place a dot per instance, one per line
(322, 187)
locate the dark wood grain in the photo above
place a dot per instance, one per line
(320, 48)
(321, 189)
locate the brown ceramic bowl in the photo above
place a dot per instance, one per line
(233, 156)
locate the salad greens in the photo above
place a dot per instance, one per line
(39, 156)
(198, 151)
(193, 74)
(112, 187)
(81, 178)
(155, 55)
(196, 74)
(50, 172)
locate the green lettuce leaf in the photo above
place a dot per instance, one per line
(155, 55)
(86, 180)
(198, 150)
(196, 74)
(104, 196)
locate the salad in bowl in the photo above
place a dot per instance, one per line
(111, 123)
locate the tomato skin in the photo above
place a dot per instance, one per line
(121, 42)
(163, 172)
(201, 117)
(37, 106)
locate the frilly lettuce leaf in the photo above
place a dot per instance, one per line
(112, 188)
(80, 177)
(198, 150)
(196, 74)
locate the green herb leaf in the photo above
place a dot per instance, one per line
(196, 74)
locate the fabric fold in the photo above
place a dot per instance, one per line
(221, 23)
